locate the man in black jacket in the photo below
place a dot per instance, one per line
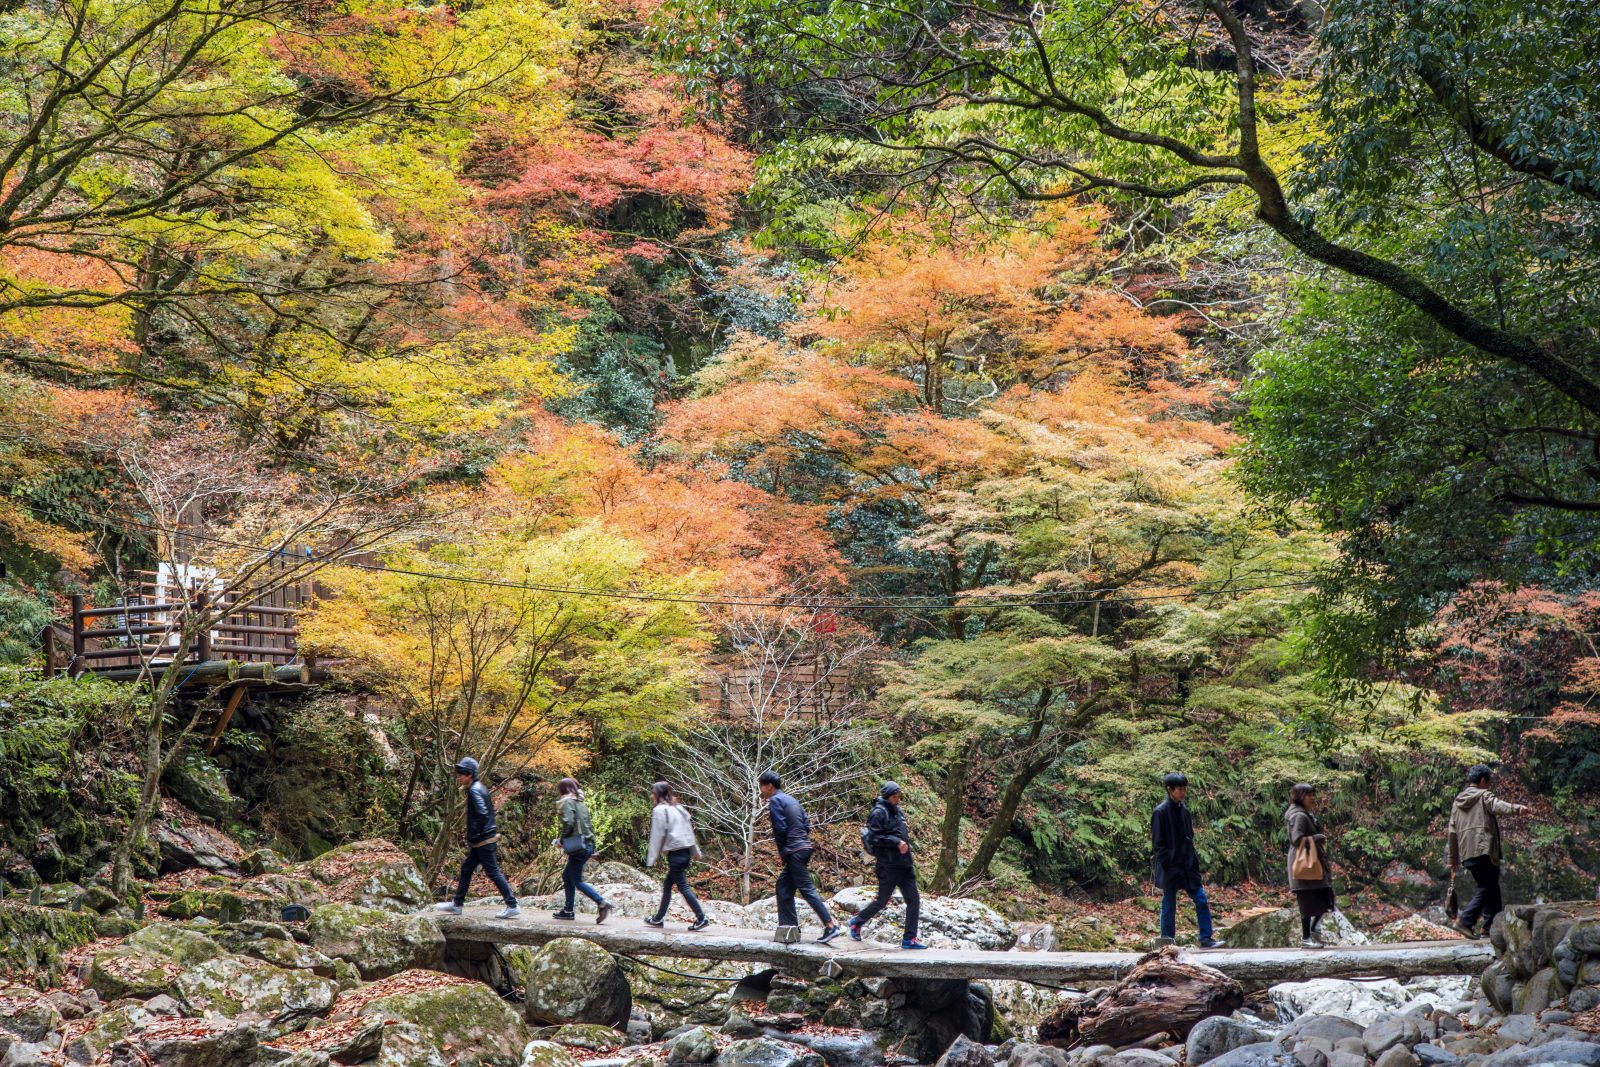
(482, 844)
(890, 840)
(1176, 863)
(791, 831)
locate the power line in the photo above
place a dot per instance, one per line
(924, 602)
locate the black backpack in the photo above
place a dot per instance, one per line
(869, 840)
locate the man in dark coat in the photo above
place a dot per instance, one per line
(791, 831)
(483, 844)
(889, 837)
(1176, 863)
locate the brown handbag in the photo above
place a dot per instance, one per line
(1307, 865)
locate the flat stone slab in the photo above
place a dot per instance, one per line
(1255, 968)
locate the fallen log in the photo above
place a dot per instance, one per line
(1166, 993)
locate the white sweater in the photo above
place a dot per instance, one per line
(670, 828)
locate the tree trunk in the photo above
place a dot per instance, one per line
(1163, 994)
(955, 788)
(1000, 826)
(150, 788)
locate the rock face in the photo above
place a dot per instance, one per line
(379, 943)
(479, 1028)
(671, 1000)
(1547, 953)
(947, 922)
(575, 981)
(1281, 929)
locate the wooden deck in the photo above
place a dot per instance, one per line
(1255, 968)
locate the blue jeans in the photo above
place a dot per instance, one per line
(1169, 910)
(572, 879)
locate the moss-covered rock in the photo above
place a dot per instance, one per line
(590, 1037)
(199, 785)
(292, 955)
(547, 1054)
(406, 1045)
(109, 1028)
(124, 972)
(180, 944)
(374, 874)
(232, 986)
(219, 905)
(470, 1019)
(33, 940)
(26, 1014)
(1085, 933)
(379, 943)
(574, 981)
(199, 1043)
(670, 999)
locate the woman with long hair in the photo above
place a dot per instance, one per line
(1313, 894)
(672, 835)
(578, 842)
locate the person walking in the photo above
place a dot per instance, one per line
(791, 832)
(1474, 843)
(1176, 863)
(482, 845)
(889, 837)
(672, 835)
(1313, 888)
(578, 842)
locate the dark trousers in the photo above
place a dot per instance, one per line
(796, 877)
(678, 875)
(572, 879)
(903, 878)
(1313, 904)
(1486, 898)
(487, 857)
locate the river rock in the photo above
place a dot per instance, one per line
(697, 1045)
(407, 1045)
(1212, 1037)
(1360, 1002)
(1582, 1053)
(1138, 1057)
(379, 943)
(1538, 992)
(1028, 1054)
(231, 986)
(574, 981)
(1329, 1028)
(469, 1018)
(1584, 998)
(547, 1054)
(1397, 1056)
(964, 1052)
(767, 1052)
(110, 1027)
(858, 1048)
(1430, 1055)
(1260, 1054)
(26, 1015)
(374, 874)
(590, 1037)
(1281, 929)
(1385, 1034)
(947, 922)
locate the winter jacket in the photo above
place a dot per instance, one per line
(1302, 824)
(1474, 826)
(670, 829)
(575, 820)
(791, 828)
(1172, 843)
(888, 827)
(480, 814)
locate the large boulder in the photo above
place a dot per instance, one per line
(574, 981)
(374, 874)
(468, 1018)
(379, 943)
(767, 1052)
(695, 1045)
(610, 872)
(34, 940)
(110, 1027)
(186, 842)
(233, 986)
(196, 1043)
(965, 1052)
(26, 1015)
(947, 922)
(669, 998)
(547, 1054)
(1359, 1002)
(1280, 928)
(1214, 1036)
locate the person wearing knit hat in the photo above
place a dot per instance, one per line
(483, 845)
(889, 837)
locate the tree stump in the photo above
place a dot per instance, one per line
(1164, 993)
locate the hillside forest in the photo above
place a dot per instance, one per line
(1015, 402)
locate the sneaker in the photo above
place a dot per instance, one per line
(1310, 942)
(855, 931)
(911, 943)
(699, 924)
(447, 908)
(830, 933)
(1466, 931)
(604, 914)
(1212, 942)
(510, 911)
(651, 920)
(562, 915)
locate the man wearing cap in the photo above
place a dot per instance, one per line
(1176, 864)
(482, 845)
(890, 840)
(1474, 843)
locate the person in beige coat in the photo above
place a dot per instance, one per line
(1474, 843)
(1314, 896)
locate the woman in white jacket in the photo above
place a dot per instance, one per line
(672, 834)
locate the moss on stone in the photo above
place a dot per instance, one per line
(33, 940)
(469, 1018)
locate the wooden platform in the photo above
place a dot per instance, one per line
(1254, 968)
